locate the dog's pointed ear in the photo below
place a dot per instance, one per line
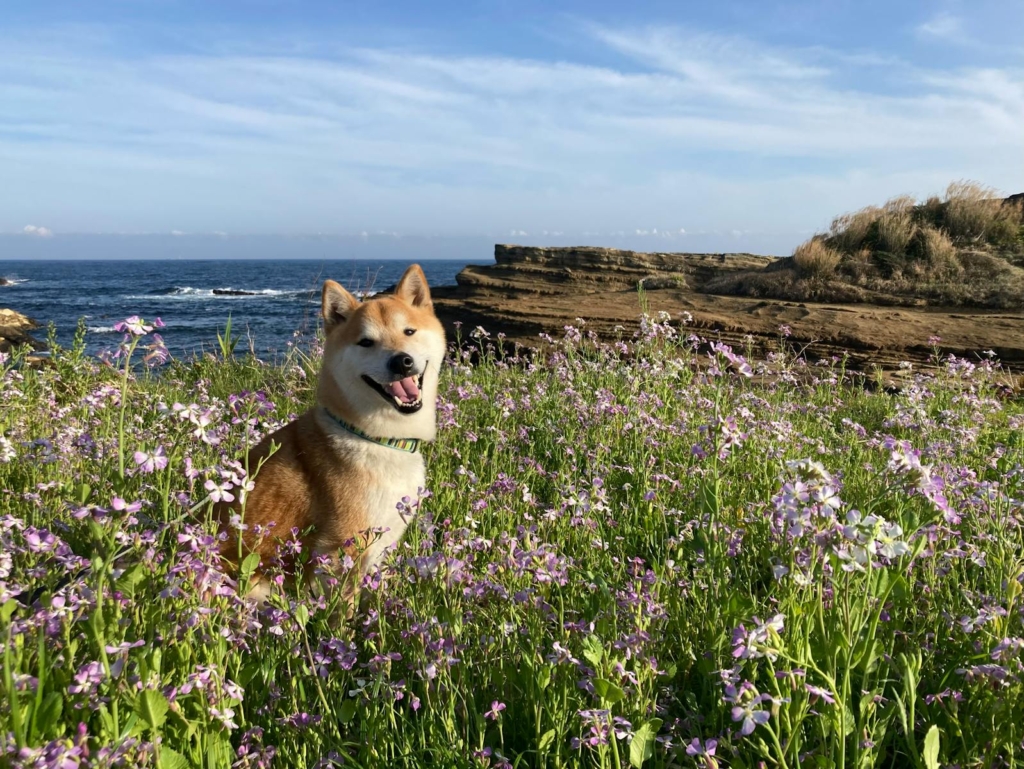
(412, 288)
(336, 304)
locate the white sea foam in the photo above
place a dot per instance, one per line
(101, 329)
(224, 292)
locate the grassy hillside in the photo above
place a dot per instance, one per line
(966, 248)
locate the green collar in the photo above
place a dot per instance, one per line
(412, 445)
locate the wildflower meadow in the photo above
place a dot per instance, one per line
(651, 552)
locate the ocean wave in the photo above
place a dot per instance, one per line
(228, 292)
(223, 292)
(15, 281)
(101, 329)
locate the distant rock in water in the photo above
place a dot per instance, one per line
(14, 328)
(5, 282)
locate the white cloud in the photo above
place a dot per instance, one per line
(39, 232)
(943, 25)
(729, 132)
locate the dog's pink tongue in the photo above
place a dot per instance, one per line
(406, 390)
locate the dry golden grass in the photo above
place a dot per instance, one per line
(970, 212)
(931, 211)
(815, 258)
(964, 249)
(938, 250)
(895, 229)
(849, 231)
(900, 204)
(1007, 228)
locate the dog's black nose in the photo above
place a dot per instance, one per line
(401, 364)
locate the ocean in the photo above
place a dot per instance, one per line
(267, 300)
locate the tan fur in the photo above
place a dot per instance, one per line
(323, 481)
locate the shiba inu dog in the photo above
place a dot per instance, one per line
(342, 469)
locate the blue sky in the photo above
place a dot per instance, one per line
(657, 125)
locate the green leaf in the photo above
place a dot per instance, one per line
(608, 691)
(7, 610)
(867, 654)
(151, 707)
(931, 748)
(107, 721)
(849, 720)
(172, 759)
(302, 615)
(348, 711)
(130, 579)
(50, 710)
(642, 746)
(133, 728)
(881, 582)
(592, 651)
(247, 672)
(868, 703)
(543, 678)
(546, 740)
(249, 565)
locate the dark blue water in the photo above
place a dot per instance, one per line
(280, 296)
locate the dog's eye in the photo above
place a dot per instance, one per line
(364, 342)
(410, 331)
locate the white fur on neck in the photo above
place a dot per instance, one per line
(393, 475)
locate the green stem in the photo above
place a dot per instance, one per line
(124, 405)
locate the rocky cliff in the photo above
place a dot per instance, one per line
(584, 269)
(532, 290)
(14, 328)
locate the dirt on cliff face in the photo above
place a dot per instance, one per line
(534, 290)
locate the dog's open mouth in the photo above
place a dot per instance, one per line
(406, 395)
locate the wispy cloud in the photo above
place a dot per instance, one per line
(723, 130)
(37, 232)
(943, 25)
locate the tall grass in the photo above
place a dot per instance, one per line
(651, 552)
(815, 258)
(932, 250)
(970, 211)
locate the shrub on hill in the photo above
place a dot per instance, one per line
(966, 248)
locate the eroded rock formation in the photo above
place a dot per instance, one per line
(532, 290)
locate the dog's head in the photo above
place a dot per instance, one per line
(382, 358)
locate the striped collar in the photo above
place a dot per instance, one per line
(412, 445)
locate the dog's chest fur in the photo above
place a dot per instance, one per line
(384, 476)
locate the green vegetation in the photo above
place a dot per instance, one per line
(652, 553)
